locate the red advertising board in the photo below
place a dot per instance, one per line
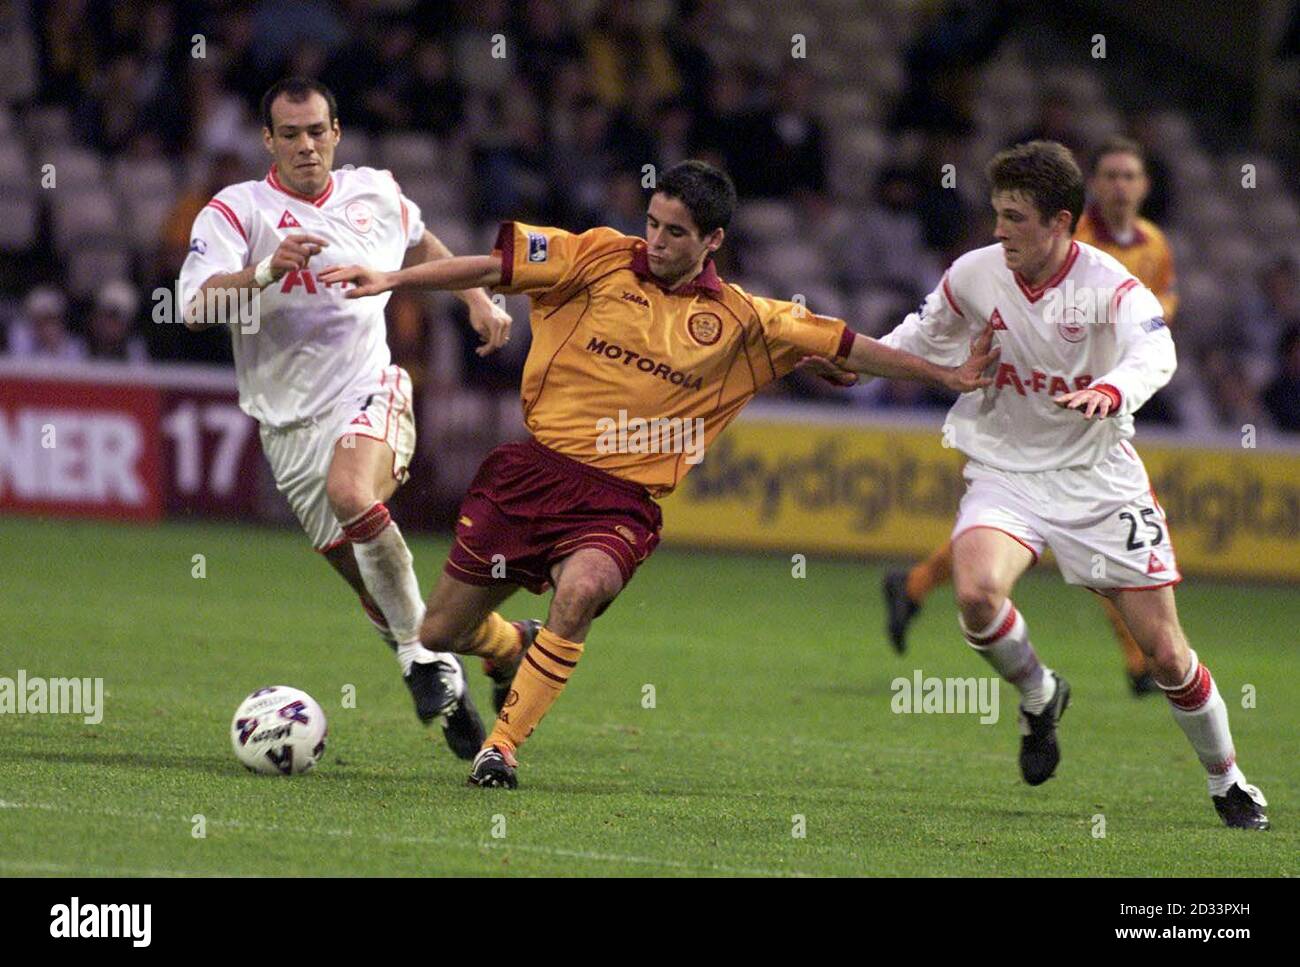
(80, 449)
(124, 444)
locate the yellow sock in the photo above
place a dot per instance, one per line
(496, 639)
(1134, 660)
(930, 573)
(542, 675)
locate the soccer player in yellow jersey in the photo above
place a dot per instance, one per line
(641, 355)
(1118, 186)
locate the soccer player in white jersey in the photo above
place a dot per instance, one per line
(315, 370)
(1083, 346)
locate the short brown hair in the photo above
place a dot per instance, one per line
(1043, 171)
(1116, 144)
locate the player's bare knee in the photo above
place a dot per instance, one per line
(979, 601)
(348, 497)
(438, 634)
(1167, 652)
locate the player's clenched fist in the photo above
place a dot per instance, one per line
(294, 253)
(366, 281)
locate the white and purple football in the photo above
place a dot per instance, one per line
(279, 730)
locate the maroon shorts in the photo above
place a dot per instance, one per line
(535, 507)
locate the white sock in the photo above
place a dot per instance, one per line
(388, 570)
(1202, 714)
(1004, 644)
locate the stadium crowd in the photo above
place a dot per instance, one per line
(549, 112)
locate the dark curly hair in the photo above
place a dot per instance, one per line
(706, 191)
(1045, 172)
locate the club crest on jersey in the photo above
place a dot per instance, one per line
(1073, 324)
(996, 322)
(536, 247)
(705, 328)
(198, 245)
(288, 221)
(359, 216)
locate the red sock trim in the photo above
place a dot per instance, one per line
(1195, 693)
(368, 525)
(1003, 629)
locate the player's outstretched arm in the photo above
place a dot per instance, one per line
(489, 320)
(458, 272)
(870, 357)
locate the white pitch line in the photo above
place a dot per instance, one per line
(19, 866)
(559, 852)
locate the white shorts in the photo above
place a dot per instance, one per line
(300, 454)
(1103, 523)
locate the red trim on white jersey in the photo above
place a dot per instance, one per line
(947, 293)
(273, 179)
(1124, 288)
(1034, 293)
(229, 214)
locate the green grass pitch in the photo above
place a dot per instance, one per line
(772, 701)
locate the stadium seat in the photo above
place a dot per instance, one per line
(356, 149)
(20, 79)
(19, 218)
(762, 220)
(48, 126)
(89, 212)
(76, 168)
(409, 153)
(150, 178)
(145, 217)
(15, 165)
(92, 262)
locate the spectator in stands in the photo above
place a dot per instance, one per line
(587, 161)
(1282, 396)
(546, 45)
(1230, 392)
(1055, 123)
(624, 55)
(794, 152)
(512, 166)
(113, 324)
(435, 98)
(226, 168)
(1269, 309)
(726, 129)
(625, 206)
(672, 133)
(884, 247)
(42, 330)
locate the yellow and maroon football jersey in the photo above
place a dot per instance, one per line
(612, 347)
(1147, 255)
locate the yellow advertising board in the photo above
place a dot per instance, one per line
(852, 488)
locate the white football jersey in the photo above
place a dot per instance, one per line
(310, 344)
(1091, 325)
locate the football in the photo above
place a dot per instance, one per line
(278, 730)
